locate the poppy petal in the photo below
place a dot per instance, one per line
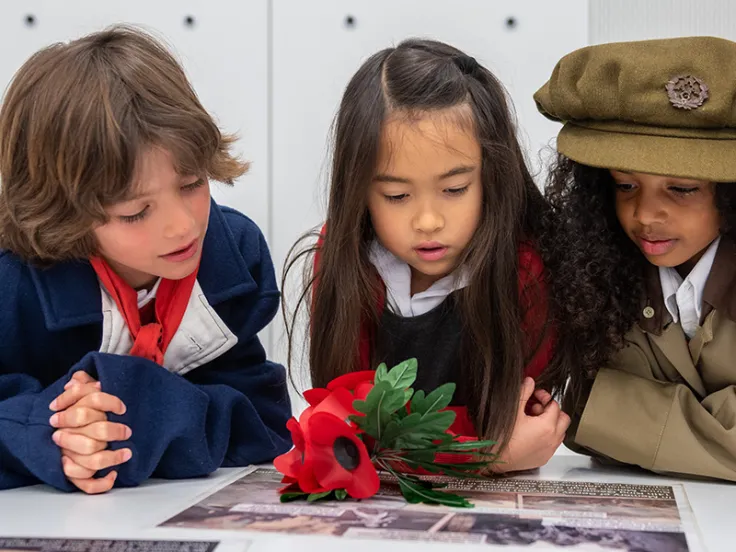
(339, 403)
(350, 380)
(307, 481)
(316, 395)
(325, 430)
(325, 427)
(365, 483)
(297, 436)
(362, 390)
(289, 463)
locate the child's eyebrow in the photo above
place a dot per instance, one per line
(134, 196)
(462, 169)
(390, 178)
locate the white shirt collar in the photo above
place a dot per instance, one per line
(684, 298)
(146, 296)
(396, 276)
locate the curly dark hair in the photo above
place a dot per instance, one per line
(596, 271)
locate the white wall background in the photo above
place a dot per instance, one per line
(273, 70)
(624, 20)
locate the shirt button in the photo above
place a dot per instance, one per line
(648, 312)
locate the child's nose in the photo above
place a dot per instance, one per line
(648, 210)
(428, 219)
(179, 223)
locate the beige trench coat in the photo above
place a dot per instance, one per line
(665, 403)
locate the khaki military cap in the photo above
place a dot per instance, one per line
(664, 107)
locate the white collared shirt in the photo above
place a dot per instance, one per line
(202, 335)
(396, 276)
(145, 296)
(684, 298)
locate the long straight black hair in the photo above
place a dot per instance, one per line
(416, 77)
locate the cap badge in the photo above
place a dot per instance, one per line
(687, 92)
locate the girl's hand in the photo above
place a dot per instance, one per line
(534, 438)
(542, 399)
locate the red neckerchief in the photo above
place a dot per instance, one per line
(172, 297)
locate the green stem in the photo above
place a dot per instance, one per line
(400, 479)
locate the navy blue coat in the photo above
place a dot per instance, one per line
(231, 411)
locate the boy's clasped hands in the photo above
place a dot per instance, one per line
(83, 433)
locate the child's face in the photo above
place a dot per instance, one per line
(671, 220)
(425, 199)
(159, 232)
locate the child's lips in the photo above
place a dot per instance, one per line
(431, 251)
(656, 245)
(183, 253)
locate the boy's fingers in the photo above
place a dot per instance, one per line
(73, 470)
(72, 395)
(80, 444)
(76, 417)
(105, 431)
(100, 460)
(96, 486)
(103, 402)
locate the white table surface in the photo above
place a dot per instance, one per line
(134, 513)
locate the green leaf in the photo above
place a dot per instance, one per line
(381, 373)
(382, 401)
(382, 396)
(290, 497)
(425, 459)
(403, 375)
(341, 494)
(426, 456)
(415, 493)
(317, 496)
(437, 400)
(417, 430)
(467, 446)
(400, 414)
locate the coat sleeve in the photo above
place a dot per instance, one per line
(539, 331)
(27, 453)
(633, 418)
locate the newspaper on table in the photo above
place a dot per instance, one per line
(104, 545)
(515, 512)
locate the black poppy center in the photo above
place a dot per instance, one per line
(346, 453)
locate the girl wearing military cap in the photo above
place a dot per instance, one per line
(644, 222)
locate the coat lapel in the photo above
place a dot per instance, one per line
(669, 338)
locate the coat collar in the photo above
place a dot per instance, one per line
(70, 296)
(719, 292)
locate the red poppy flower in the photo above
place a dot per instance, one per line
(338, 458)
(351, 380)
(358, 383)
(297, 464)
(338, 403)
(290, 463)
